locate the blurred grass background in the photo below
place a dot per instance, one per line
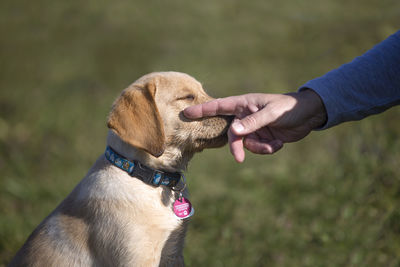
(332, 199)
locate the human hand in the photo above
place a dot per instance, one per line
(264, 122)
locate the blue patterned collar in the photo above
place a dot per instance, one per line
(144, 173)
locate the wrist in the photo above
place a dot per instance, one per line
(315, 107)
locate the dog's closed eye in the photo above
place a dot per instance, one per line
(188, 97)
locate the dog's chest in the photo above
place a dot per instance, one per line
(144, 203)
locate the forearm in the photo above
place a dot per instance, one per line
(368, 85)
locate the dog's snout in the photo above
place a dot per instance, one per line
(229, 119)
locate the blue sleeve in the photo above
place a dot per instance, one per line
(368, 85)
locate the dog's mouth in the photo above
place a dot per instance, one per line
(215, 132)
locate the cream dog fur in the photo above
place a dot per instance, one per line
(112, 218)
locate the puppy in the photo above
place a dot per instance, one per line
(123, 212)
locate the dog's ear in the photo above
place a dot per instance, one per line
(136, 119)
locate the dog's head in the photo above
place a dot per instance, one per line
(148, 115)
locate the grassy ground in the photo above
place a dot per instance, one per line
(332, 199)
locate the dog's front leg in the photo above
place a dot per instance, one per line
(172, 253)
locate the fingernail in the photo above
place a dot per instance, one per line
(238, 127)
(187, 112)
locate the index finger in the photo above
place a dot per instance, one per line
(220, 106)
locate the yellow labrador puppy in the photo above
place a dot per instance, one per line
(131, 209)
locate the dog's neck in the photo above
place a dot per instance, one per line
(172, 160)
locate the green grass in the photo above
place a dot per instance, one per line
(332, 199)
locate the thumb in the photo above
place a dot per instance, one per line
(251, 123)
